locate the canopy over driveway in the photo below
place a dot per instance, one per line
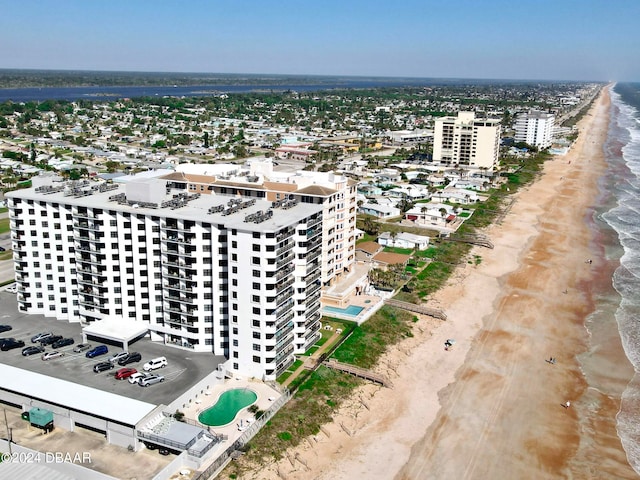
(115, 331)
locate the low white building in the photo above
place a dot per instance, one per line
(379, 210)
(403, 240)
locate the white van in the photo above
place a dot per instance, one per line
(154, 364)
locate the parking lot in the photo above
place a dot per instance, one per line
(184, 368)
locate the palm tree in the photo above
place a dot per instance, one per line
(393, 236)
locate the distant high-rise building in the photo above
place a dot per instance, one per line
(235, 276)
(535, 128)
(466, 141)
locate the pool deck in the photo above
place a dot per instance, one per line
(264, 392)
(354, 289)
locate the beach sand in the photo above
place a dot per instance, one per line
(492, 407)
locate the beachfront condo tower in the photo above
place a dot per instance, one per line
(234, 275)
(535, 128)
(466, 142)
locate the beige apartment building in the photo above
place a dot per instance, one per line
(466, 141)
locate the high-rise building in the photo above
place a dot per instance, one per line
(466, 141)
(535, 128)
(335, 193)
(238, 277)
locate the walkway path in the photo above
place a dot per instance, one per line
(313, 360)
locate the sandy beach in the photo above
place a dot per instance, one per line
(492, 407)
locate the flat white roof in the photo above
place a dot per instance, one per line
(74, 396)
(119, 329)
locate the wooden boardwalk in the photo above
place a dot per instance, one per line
(358, 372)
(412, 307)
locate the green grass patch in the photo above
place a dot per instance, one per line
(4, 225)
(369, 340)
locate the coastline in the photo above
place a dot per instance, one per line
(492, 406)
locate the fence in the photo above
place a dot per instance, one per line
(213, 469)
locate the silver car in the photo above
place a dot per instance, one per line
(150, 380)
(117, 356)
(81, 347)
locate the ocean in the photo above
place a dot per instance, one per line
(619, 211)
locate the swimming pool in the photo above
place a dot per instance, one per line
(350, 311)
(227, 407)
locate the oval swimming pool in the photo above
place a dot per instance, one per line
(227, 407)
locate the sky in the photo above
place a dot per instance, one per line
(496, 39)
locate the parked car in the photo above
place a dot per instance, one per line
(99, 350)
(52, 355)
(125, 373)
(102, 367)
(10, 344)
(155, 363)
(12, 289)
(32, 350)
(136, 377)
(5, 328)
(117, 356)
(50, 340)
(81, 347)
(40, 336)
(130, 358)
(150, 380)
(62, 343)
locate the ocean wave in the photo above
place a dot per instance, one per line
(623, 155)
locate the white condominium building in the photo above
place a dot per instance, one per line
(335, 193)
(466, 141)
(535, 128)
(238, 277)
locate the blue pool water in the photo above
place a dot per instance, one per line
(351, 310)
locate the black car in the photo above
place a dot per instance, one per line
(10, 344)
(131, 358)
(5, 328)
(62, 343)
(102, 367)
(32, 350)
(50, 340)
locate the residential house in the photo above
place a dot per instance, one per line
(403, 240)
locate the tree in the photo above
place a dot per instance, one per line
(206, 139)
(371, 226)
(393, 236)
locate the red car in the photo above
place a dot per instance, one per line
(125, 372)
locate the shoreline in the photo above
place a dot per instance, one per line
(492, 406)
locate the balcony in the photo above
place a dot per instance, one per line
(179, 309)
(282, 262)
(284, 248)
(94, 226)
(313, 255)
(178, 286)
(183, 299)
(90, 260)
(178, 239)
(175, 228)
(181, 252)
(284, 272)
(85, 281)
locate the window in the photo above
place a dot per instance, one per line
(256, 311)
(256, 359)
